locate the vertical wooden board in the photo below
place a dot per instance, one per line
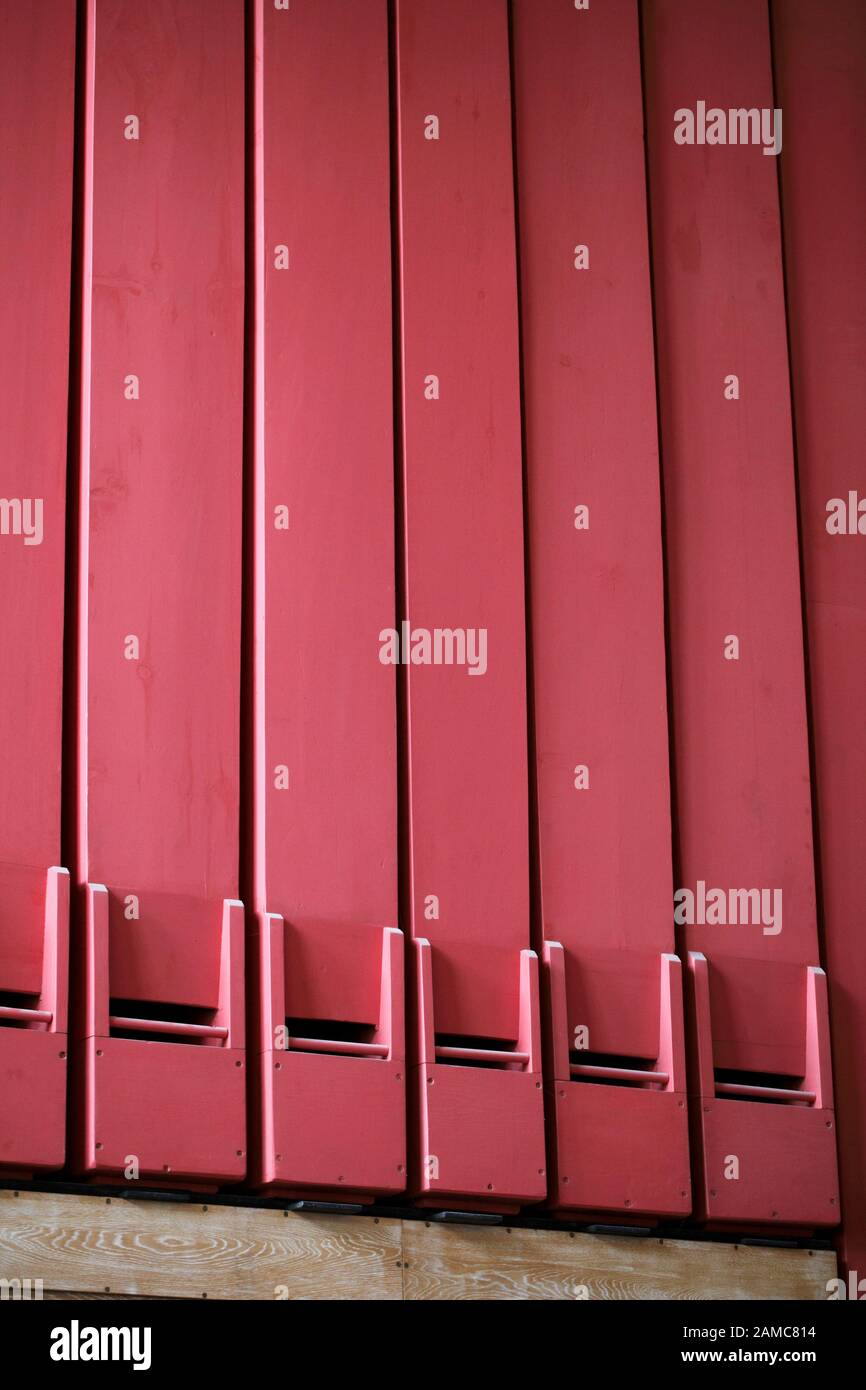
(741, 758)
(463, 507)
(37, 58)
(820, 63)
(160, 595)
(758, 1002)
(328, 846)
(162, 467)
(476, 1134)
(613, 988)
(327, 950)
(598, 653)
(37, 102)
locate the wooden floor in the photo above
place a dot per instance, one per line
(83, 1246)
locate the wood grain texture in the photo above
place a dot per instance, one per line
(465, 1262)
(102, 1245)
(67, 1296)
(94, 1247)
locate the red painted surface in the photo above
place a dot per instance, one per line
(758, 1009)
(329, 957)
(614, 988)
(37, 57)
(160, 935)
(206, 399)
(820, 59)
(477, 1131)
